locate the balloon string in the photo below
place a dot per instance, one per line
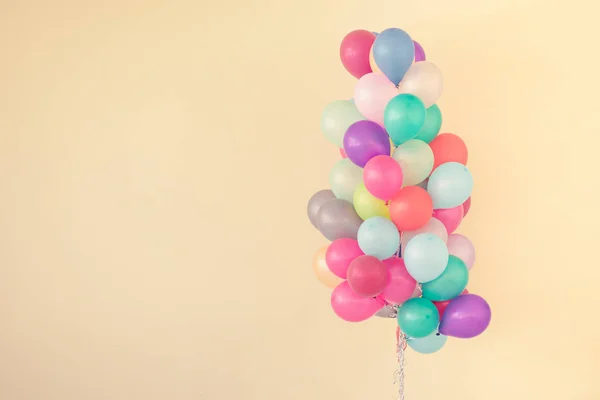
(400, 348)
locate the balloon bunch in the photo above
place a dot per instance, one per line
(396, 198)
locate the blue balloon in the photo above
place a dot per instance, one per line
(450, 185)
(428, 344)
(394, 52)
(378, 237)
(426, 257)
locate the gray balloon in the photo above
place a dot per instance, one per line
(315, 203)
(387, 312)
(337, 219)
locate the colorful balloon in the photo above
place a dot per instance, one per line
(400, 286)
(322, 271)
(449, 185)
(416, 160)
(441, 305)
(434, 226)
(450, 283)
(448, 147)
(404, 117)
(340, 254)
(343, 153)
(423, 80)
(337, 219)
(394, 52)
(461, 247)
(354, 52)
(419, 52)
(351, 307)
(336, 118)
(367, 205)
(383, 177)
(344, 178)
(418, 318)
(432, 125)
(426, 257)
(429, 344)
(315, 203)
(364, 140)
(372, 93)
(450, 217)
(367, 276)
(466, 316)
(378, 237)
(411, 208)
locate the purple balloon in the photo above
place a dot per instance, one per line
(364, 140)
(466, 316)
(419, 52)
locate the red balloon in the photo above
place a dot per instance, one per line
(367, 276)
(354, 52)
(411, 208)
(441, 305)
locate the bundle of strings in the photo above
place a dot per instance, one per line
(399, 375)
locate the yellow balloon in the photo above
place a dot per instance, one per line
(374, 66)
(322, 271)
(367, 205)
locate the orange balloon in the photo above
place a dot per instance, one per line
(411, 208)
(448, 147)
(322, 271)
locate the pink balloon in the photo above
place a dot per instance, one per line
(383, 177)
(460, 246)
(340, 254)
(466, 206)
(343, 153)
(401, 286)
(372, 93)
(367, 276)
(355, 50)
(450, 217)
(434, 226)
(351, 307)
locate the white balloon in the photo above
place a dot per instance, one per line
(344, 177)
(425, 81)
(434, 226)
(416, 160)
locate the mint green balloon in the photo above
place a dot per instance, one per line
(429, 344)
(432, 125)
(344, 178)
(404, 117)
(418, 317)
(450, 283)
(336, 118)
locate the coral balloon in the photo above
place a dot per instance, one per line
(354, 52)
(411, 208)
(448, 147)
(340, 254)
(461, 247)
(351, 307)
(450, 217)
(372, 93)
(367, 276)
(466, 316)
(322, 271)
(400, 286)
(383, 177)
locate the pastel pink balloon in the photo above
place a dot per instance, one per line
(401, 286)
(466, 206)
(383, 177)
(354, 52)
(372, 93)
(434, 226)
(460, 246)
(339, 255)
(367, 276)
(450, 217)
(351, 307)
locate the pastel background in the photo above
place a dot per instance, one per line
(155, 162)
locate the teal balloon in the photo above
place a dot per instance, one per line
(404, 117)
(450, 283)
(450, 185)
(418, 317)
(336, 118)
(428, 344)
(432, 125)
(378, 237)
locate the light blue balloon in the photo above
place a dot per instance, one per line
(394, 52)
(450, 185)
(428, 344)
(425, 257)
(378, 237)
